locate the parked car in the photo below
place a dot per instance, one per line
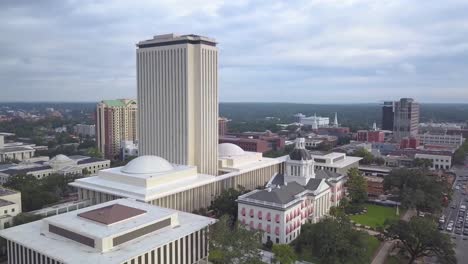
(458, 231)
(449, 227)
(465, 232)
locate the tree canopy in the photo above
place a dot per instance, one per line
(36, 193)
(420, 238)
(357, 186)
(284, 254)
(233, 243)
(417, 188)
(225, 203)
(333, 241)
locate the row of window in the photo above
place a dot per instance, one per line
(17, 254)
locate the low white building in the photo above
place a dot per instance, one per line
(439, 161)
(441, 140)
(85, 130)
(10, 206)
(300, 195)
(313, 121)
(335, 162)
(59, 164)
(122, 231)
(128, 148)
(14, 151)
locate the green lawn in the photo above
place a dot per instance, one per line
(376, 215)
(372, 246)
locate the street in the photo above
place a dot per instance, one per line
(452, 212)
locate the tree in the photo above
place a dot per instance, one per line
(225, 203)
(95, 153)
(417, 188)
(422, 163)
(357, 186)
(420, 238)
(333, 241)
(284, 254)
(367, 157)
(25, 218)
(233, 243)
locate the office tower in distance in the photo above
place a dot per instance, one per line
(222, 126)
(387, 115)
(177, 79)
(406, 119)
(116, 121)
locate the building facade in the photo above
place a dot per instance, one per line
(406, 119)
(222, 126)
(117, 232)
(116, 120)
(291, 199)
(10, 206)
(370, 136)
(42, 167)
(441, 140)
(85, 130)
(177, 79)
(154, 180)
(388, 112)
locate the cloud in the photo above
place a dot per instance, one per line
(299, 50)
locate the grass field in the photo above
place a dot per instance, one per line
(376, 215)
(372, 246)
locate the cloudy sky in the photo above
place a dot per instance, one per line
(312, 51)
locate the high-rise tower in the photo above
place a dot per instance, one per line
(406, 118)
(116, 120)
(388, 110)
(177, 79)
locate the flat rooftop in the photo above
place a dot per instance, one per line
(174, 39)
(34, 236)
(112, 214)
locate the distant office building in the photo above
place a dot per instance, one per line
(247, 144)
(222, 126)
(274, 141)
(121, 231)
(406, 119)
(388, 111)
(441, 160)
(85, 130)
(441, 139)
(116, 120)
(370, 136)
(409, 143)
(177, 79)
(333, 131)
(10, 206)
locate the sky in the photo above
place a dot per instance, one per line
(313, 51)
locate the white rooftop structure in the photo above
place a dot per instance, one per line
(145, 178)
(113, 232)
(233, 158)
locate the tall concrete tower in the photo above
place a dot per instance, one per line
(177, 79)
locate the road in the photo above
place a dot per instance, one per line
(451, 214)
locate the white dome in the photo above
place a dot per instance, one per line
(147, 165)
(61, 158)
(229, 149)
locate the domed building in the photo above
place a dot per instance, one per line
(150, 179)
(298, 195)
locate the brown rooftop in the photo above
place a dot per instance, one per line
(111, 214)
